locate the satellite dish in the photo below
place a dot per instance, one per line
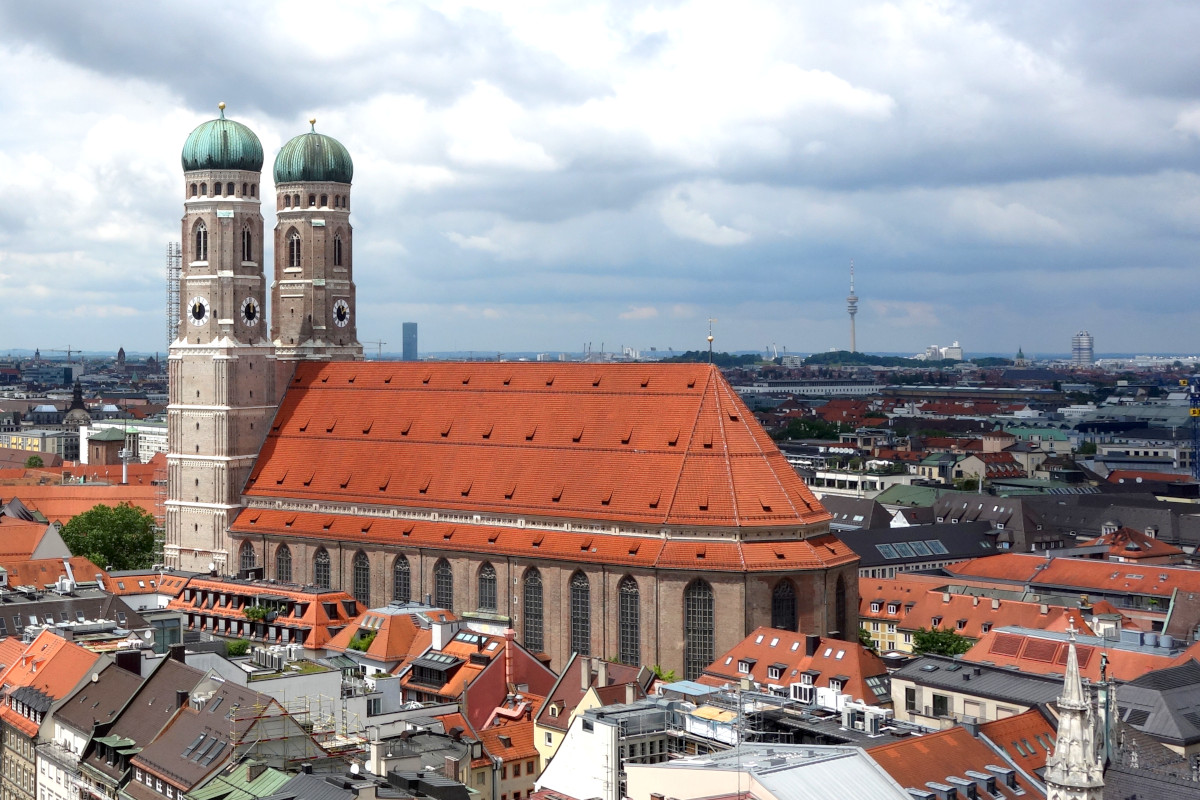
(149, 635)
(95, 677)
(211, 566)
(354, 769)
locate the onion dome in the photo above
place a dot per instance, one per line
(222, 144)
(313, 158)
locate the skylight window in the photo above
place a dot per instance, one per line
(828, 650)
(936, 547)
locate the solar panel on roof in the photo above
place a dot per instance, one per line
(936, 546)
(904, 550)
(886, 550)
(919, 548)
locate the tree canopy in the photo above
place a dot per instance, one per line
(720, 359)
(939, 642)
(33, 462)
(120, 537)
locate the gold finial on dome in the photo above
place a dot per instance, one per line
(313, 121)
(221, 106)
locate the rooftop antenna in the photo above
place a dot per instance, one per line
(710, 338)
(852, 308)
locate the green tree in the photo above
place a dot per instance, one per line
(665, 675)
(121, 537)
(939, 642)
(238, 647)
(1087, 449)
(864, 638)
(33, 462)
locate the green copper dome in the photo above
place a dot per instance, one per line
(313, 157)
(222, 144)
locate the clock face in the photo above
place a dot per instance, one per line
(341, 313)
(198, 310)
(251, 311)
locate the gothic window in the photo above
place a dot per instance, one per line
(783, 606)
(296, 200)
(629, 616)
(229, 188)
(487, 588)
(321, 569)
(245, 188)
(201, 243)
(839, 606)
(532, 638)
(401, 580)
(247, 245)
(697, 628)
(246, 557)
(204, 189)
(312, 201)
(324, 201)
(443, 585)
(581, 615)
(193, 190)
(362, 578)
(294, 249)
(253, 190)
(337, 250)
(287, 201)
(283, 564)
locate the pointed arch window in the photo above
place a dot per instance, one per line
(533, 638)
(783, 606)
(193, 187)
(201, 243)
(337, 250)
(487, 588)
(321, 569)
(697, 628)
(204, 190)
(229, 188)
(401, 580)
(247, 245)
(246, 556)
(839, 604)
(581, 615)
(283, 564)
(443, 585)
(362, 578)
(324, 201)
(294, 249)
(629, 616)
(287, 201)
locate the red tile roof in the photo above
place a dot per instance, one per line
(51, 665)
(1146, 476)
(640, 443)
(19, 539)
(397, 636)
(1039, 656)
(1026, 738)
(973, 616)
(919, 760)
(1127, 544)
(59, 503)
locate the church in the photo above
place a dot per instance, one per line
(633, 512)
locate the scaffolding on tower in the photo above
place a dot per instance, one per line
(174, 271)
(1193, 390)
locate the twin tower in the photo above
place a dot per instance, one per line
(230, 365)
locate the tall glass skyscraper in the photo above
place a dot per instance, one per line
(409, 333)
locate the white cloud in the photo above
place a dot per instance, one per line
(640, 312)
(688, 222)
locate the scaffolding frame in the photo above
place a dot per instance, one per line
(174, 273)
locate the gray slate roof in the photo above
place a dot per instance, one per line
(998, 683)
(1164, 704)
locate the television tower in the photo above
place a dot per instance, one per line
(852, 308)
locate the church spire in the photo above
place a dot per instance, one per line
(1074, 771)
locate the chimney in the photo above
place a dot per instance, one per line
(995, 603)
(366, 792)
(975, 600)
(254, 770)
(811, 643)
(585, 673)
(656, 796)
(306, 768)
(450, 768)
(945, 597)
(1043, 609)
(68, 634)
(177, 652)
(181, 698)
(509, 646)
(602, 673)
(630, 692)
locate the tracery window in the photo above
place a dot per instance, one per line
(783, 606)
(283, 564)
(246, 556)
(294, 249)
(533, 638)
(581, 615)
(697, 628)
(487, 588)
(401, 580)
(362, 578)
(629, 614)
(247, 245)
(321, 569)
(443, 585)
(201, 243)
(337, 250)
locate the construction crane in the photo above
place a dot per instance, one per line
(68, 350)
(378, 349)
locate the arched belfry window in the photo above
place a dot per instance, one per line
(229, 188)
(337, 250)
(362, 578)
(287, 201)
(324, 201)
(629, 618)
(283, 564)
(204, 190)
(246, 556)
(321, 569)
(294, 249)
(401, 580)
(487, 588)
(533, 638)
(193, 192)
(201, 253)
(697, 628)
(783, 606)
(247, 245)
(443, 585)
(581, 615)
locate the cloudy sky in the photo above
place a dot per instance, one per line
(534, 176)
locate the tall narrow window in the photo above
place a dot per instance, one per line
(321, 569)
(581, 615)
(246, 556)
(324, 201)
(204, 190)
(201, 243)
(443, 585)
(287, 201)
(337, 250)
(401, 580)
(362, 578)
(783, 606)
(247, 245)
(629, 614)
(229, 188)
(697, 628)
(294, 249)
(487, 588)
(839, 607)
(533, 639)
(193, 190)
(283, 564)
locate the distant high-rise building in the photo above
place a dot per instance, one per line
(409, 333)
(1082, 352)
(852, 308)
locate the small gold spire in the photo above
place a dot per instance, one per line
(221, 106)
(313, 121)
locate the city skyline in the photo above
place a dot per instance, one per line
(533, 180)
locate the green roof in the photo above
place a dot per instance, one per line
(915, 496)
(313, 157)
(222, 144)
(235, 786)
(107, 435)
